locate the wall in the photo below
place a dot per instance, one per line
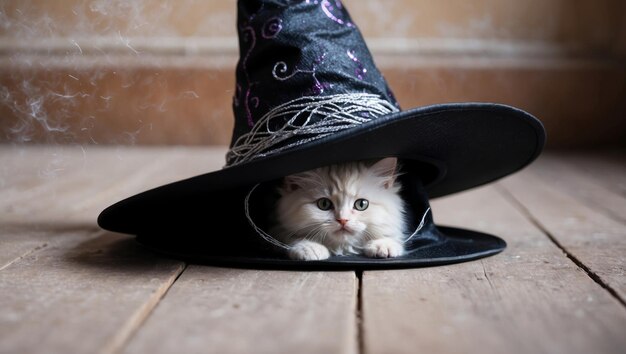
(148, 72)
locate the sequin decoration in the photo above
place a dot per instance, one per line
(330, 9)
(319, 87)
(360, 71)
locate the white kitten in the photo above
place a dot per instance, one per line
(342, 209)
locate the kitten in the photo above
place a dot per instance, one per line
(342, 209)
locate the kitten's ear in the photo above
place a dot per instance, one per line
(386, 168)
(290, 183)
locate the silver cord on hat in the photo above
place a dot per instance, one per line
(269, 238)
(338, 112)
(419, 227)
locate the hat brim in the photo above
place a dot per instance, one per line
(454, 246)
(454, 146)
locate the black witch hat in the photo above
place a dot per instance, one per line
(308, 94)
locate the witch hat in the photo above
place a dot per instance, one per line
(308, 94)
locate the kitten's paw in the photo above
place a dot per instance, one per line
(383, 248)
(308, 251)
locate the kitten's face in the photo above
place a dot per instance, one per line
(339, 205)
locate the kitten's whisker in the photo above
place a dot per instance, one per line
(370, 236)
(322, 234)
(310, 237)
(322, 237)
(298, 231)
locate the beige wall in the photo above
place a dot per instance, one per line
(161, 72)
(586, 23)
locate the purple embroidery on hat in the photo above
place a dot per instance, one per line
(272, 27)
(249, 35)
(319, 87)
(360, 71)
(328, 9)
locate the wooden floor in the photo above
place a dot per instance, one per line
(69, 287)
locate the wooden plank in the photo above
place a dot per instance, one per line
(94, 179)
(180, 163)
(606, 167)
(218, 310)
(588, 235)
(16, 163)
(569, 178)
(18, 242)
(33, 197)
(529, 299)
(85, 295)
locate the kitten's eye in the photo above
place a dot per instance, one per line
(324, 204)
(361, 204)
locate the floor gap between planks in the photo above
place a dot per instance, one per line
(124, 337)
(25, 254)
(524, 210)
(120, 341)
(360, 335)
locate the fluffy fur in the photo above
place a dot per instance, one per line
(316, 234)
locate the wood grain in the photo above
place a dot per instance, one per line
(158, 166)
(49, 184)
(570, 179)
(18, 242)
(529, 299)
(585, 232)
(81, 296)
(218, 310)
(606, 167)
(84, 181)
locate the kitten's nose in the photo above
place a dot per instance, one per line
(343, 222)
